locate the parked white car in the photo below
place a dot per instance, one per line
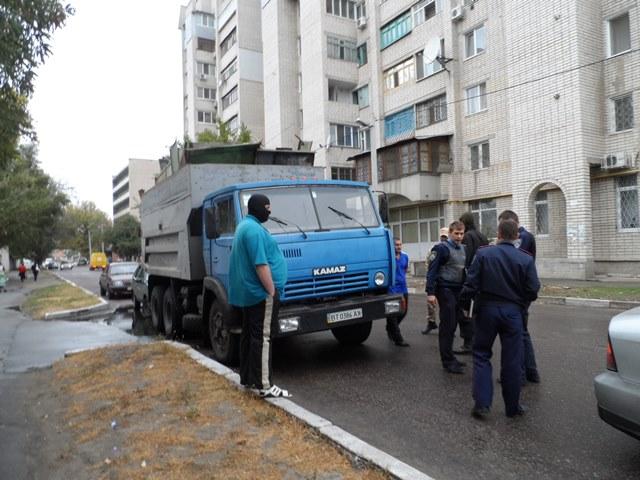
(618, 389)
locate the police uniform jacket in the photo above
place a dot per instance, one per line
(502, 273)
(446, 267)
(527, 241)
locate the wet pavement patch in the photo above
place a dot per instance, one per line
(14, 307)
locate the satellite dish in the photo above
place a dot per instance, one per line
(432, 50)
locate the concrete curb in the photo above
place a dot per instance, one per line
(338, 436)
(83, 313)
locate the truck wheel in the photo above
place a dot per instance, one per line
(171, 313)
(156, 306)
(352, 334)
(225, 345)
(136, 304)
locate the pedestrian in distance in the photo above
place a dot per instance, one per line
(22, 271)
(257, 272)
(399, 286)
(35, 269)
(444, 283)
(3, 278)
(502, 281)
(432, 310)
(527, 242)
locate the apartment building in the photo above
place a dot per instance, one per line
(473, 105)
(138, 175)
(222, 66)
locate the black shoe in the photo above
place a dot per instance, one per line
(519, 412)
(464, 350)
(400, 343)
(430, 326)
(533, 376)
(456, 368)
(480, 413)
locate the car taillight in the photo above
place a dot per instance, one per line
(611, 358)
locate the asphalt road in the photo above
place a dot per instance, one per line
(88, 279)
(401, 400)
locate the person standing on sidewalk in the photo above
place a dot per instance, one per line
(444, 282)
(257, 271)
(35, 269)
(526, 242)
(502, 281)
(399, 286)
(22, 271)
(432, 310)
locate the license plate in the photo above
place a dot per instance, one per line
(344, 315)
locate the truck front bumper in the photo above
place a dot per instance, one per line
(298, 319)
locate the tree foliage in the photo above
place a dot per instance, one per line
(224, 134)
(31, 205)
(76, 224)
(25, 37)
(125, 237)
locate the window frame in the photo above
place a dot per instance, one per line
(343, 173)
(396, 224)
(363, 59)
(422, 5)
(404, 70)
(212, 93)
(613, 112)
(619, 190)
(437, 67)
(474, 34)
(229, 98)
(204, 115)
(609, 30)
(480, 147)
(334, 134)
(392, 31)
(229, 41)
(202, 66)
(346, 49)
(476, 98)
(358, 93)
(432, 105)
(477, 215)
(349, 5)
(542, 200)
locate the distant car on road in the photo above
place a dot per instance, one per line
(618, 389)
(66, 266)
(82, 261)
(140, 289)
(116, 279)
(53, 265)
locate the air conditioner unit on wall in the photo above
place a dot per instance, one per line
(362, 22)
(616, 160)
(457, 13)
(203, 76)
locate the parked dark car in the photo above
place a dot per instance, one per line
(82, 261)
(140, 290)
(116, 279)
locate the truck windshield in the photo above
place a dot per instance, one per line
(295, 206)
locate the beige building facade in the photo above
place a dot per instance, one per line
(139, 175)
(471, 106)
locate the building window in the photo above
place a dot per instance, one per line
(485, 215)
(365, 139)
(362, 54)
(479, 155)
(343, 173)
(228, 42)
(205, 117)
(361, 10)
(423, 11)
(418, 224)
(542, 214)
(204, 68)
(411, 157)
(339, 92)
(341, 49)
(399, 74)
(474, 42)
(396, 29)
(361, 96)
(619, 34)
(363, 169)
(230, 98)
(424, 69)
(476, 98)
(206, 20)
(206, 93)
(400, 123)
(206, 45)
(627, 200)
(342, 8)
(232, 123)
(432, 111)
(343, 135)
(622, 113)
(228, 71)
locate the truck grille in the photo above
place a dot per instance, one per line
(326, 286)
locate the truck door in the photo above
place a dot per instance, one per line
(221, 246)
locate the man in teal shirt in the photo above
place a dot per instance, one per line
(257, 272)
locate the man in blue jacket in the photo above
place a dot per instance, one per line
(399, 286)
(502, 281)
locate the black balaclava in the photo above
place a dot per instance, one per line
(258, 207)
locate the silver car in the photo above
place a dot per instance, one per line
(618, 389)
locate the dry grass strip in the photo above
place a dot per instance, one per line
(56, 298)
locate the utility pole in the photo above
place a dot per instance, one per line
(102, 236)
(89, 233)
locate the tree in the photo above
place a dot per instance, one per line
(31, 205)
(225, 135)
(25, 34)
(125, 236)
(78, 222)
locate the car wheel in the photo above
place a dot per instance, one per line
(225, 345)
(352, 334)
(171, 313)
(156, 306)
(102, 291)
(109, 294)
(146, 310)
(136, 304)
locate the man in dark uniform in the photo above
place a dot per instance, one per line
(526, 242)
(444, 282)
(503, 281)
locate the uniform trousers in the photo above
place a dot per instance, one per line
(529, 365)
(505, 320)
(450, 316)
(258, 322)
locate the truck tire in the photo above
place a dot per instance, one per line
(225, 345)
(102, 291)
(156, 307)
(171, 313)
(352, 334)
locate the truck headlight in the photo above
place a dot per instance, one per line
(118, 283)
(290, 324)
(379, 279)
(391, 306)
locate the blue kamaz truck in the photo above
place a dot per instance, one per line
(339, 254)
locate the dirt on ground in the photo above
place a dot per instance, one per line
(149, 411)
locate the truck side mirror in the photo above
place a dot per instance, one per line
(210, 223)
(383, 208)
